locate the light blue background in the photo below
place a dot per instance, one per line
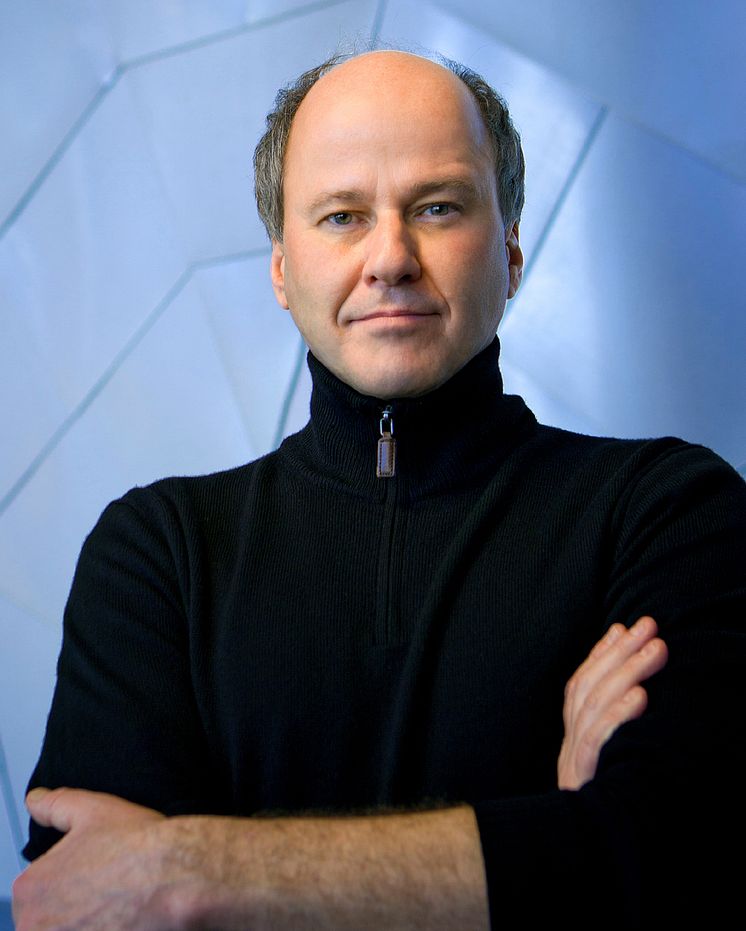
(138, 333)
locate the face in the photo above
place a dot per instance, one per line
(395, 263)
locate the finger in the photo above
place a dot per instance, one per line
(609, 638)
(628, 708)
(636, 668)
(66, 808)
(650, 659)
(608, 655)
(605, 701)
(622, 644)
(604, 693)
(584, 677)
(52, 808)
(599, 658)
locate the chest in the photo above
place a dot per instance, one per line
(391, 649)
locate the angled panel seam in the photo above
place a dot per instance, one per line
(74, 416)
(136, 62)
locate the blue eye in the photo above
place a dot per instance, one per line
(438, 210)
(340, 219)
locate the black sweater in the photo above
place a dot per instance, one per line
(300, 635)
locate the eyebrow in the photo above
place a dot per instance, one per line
(461, 187)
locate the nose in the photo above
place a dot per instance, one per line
(391, 256)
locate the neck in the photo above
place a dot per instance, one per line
(443, 439)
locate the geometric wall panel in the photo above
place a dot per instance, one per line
(53, 59)
(203, 151)
(139, 27)
(169, 409)
(256, 341)
(553, 118)
(27, 673)
(81, 269)
(146, 187)
(11, 864)
(676, 67)
(633, 318)
(8, 872)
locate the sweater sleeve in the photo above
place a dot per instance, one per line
(643, 844)
(650, 841)
(124, 718)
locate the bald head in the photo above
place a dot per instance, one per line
(357, 83)
(402, 96)
(393, 77)
(384, 63)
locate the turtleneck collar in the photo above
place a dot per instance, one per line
(445, 439)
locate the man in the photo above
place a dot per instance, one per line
(376, 622)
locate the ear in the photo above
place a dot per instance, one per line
(277, 272)
(515, 259)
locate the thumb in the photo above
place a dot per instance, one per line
(66, 808)
(52, 808)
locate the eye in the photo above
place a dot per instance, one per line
(438, 210)
(340, 219)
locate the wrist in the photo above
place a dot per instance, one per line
(191, 851)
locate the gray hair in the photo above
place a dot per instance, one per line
(269, 155)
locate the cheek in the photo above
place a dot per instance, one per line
(493, 265)
(322, 279)
(474, 270)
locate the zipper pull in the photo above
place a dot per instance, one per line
(386, 459)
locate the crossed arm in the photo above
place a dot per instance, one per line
(122, 866)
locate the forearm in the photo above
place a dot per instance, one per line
(415, 870)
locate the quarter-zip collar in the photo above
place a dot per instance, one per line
(449, 438)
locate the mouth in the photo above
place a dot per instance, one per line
(395, 313)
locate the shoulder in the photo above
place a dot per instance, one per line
(632, 482)
(669, 459)
(213, 493)
(183, 512)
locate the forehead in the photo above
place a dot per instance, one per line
(387, 106)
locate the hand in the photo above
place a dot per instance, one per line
(121, 867)
(603, 693)
(100, 875)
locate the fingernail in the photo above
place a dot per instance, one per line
(37, 794)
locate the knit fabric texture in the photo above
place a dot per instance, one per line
(300, 635)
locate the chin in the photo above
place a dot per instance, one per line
(395, 384)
